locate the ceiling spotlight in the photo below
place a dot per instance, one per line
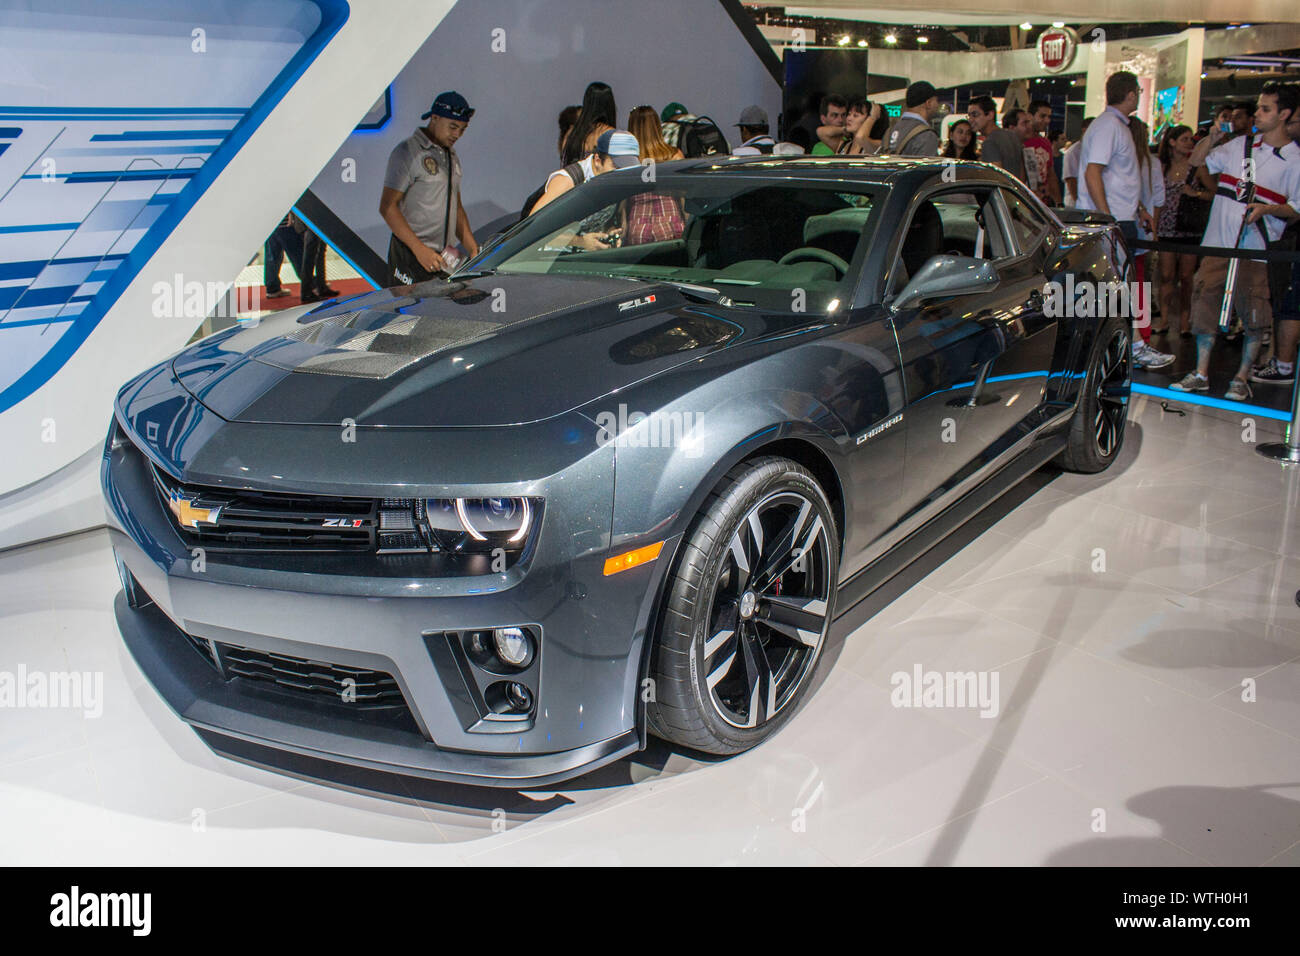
(1204, 75)
(862, 43)
(844, 40)
(1058, 23)
(922, 39)
(1026, 25)
(890, 38)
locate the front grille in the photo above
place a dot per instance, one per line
(245, 525)
(236, 519)
(358, 687)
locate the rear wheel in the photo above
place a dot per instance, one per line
(1097, 428)
(747, 611)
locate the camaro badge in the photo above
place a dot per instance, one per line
(189, 516)
(633, 303)
(873, 432)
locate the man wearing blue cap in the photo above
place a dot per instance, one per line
(421, 198)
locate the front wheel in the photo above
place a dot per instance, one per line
(1097, 428)
(747, 611)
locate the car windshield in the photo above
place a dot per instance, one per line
(763, 242)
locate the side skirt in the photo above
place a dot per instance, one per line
(859, 587)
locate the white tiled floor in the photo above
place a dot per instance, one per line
(1148, 713)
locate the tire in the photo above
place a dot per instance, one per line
(1097, 427)
(722, 692)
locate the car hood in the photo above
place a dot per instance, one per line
(496, 350)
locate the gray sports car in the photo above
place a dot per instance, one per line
(616, 477)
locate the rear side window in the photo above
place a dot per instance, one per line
(1028, 227)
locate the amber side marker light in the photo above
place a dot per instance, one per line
(631, 559)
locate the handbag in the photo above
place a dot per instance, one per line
(1193, 213)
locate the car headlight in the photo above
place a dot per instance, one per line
(481, 524)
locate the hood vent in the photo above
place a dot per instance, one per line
(365, 345)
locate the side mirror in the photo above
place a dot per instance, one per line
(945, 276)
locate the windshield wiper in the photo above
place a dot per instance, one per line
(473, 274)
(691, 290)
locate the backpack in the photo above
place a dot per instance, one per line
(701, 137)
(576, 173)
(883, 148)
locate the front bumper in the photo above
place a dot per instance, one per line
(202, 699)
(593, 629)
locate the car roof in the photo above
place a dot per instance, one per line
(884, 170)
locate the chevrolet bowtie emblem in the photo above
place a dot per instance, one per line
(188, 515)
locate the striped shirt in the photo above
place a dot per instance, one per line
(1277, 181)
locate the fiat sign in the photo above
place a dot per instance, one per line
(1056, 48)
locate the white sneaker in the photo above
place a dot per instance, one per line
(1191, 382)
(1238, 391)
(1144, 356)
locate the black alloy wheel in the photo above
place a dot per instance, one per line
(1096, 432)
(748, 609)
(769, 612)
(1112, 392)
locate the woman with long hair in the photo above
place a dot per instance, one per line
(1151, 198)
(651, 216)
(598, 114)
(961, 141)
(1177, 269)
(643, 123)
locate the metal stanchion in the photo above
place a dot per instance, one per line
(1287, 452)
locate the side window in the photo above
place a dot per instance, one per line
(1028, 227)
(957, 222)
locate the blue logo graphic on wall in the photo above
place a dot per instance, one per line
(89, 190)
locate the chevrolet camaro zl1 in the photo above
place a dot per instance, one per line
(616, 477)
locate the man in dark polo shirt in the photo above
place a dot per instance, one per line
(421, 198)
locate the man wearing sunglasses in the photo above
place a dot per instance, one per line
(421, 198)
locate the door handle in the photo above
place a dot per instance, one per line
(1035, 301)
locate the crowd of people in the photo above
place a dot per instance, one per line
(1235, 185)
(1189, 193)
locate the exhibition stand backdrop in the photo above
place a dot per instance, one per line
(145, 149)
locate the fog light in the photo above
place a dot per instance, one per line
(513, 646)
(519, 696)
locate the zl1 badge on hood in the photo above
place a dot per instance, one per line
(634, 303)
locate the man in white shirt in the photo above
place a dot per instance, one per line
(1111, 182)
(1274, 167)
(1070, 166)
